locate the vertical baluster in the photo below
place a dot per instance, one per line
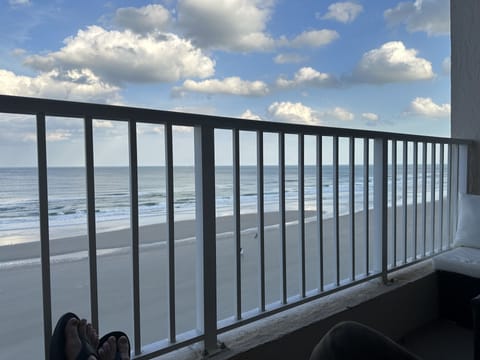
(394, 201)
(336, 232)
(301, 211)
(462, 176)
(415, 199)
(352, 201)
(320, 209)
(404, 201)
(261, 219)
(455, 186)
(92, 232)
(441, 192)
(135, 233)
(462, 168)
(237, 230)
(449, 196)
(432, 195)
(424, 198)
(283, 238)
(366, 206)
(44, 230)
(170, 200)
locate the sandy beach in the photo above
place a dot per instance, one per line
(20, 286)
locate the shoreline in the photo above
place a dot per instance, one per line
(119, 240)
(149, 235)
(116, 239)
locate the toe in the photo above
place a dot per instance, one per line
(71, 329)
(82, 329)
(92, 336)
(123, 348)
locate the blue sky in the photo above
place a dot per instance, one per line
(377, 64)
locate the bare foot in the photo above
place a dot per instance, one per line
(74, 332)
(108, 350)
(123, 348)
(73, 345)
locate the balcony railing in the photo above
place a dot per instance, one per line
(401, 208)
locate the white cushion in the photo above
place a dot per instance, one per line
(462, 260)
(468, 229)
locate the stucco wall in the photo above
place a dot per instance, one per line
(465, 75)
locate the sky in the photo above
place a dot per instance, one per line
(380, 65)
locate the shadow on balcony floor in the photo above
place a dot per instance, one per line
(439, 340)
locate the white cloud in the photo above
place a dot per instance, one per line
(143, 20)
(105, 124)
(446, 65)
(314, 38)
(426, 107)
(339, 113)
(73, 85)
(289, 59)
(293, 112)
(344, 12)
(236, 25)
(58, 135)
(307, 76)
(239, 25)
(19, 2)
(248, 114)
(124, 56)
(231, 86)
(430, 16)
(370, 116)
(392, 62)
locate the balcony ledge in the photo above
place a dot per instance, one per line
(396, 309)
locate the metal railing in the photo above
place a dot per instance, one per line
(378, 240)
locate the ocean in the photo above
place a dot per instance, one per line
(19, 210)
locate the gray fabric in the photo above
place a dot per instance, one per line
(350, 340)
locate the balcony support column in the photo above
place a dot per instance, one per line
(206, 236)
(465, 86)
(380, 183)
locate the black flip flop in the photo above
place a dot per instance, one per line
(57, 342)
(116, 335)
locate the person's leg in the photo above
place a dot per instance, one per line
(351, 340)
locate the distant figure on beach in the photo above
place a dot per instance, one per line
(75, 339)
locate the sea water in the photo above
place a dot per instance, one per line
(67, 206)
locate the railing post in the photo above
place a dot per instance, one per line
(91, 222)
(134, 224)
(380, 207)
(462, 168)
(205, 236)
(44, 231)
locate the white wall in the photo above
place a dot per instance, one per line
(465, 75)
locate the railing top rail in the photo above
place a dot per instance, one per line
(30, 106)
